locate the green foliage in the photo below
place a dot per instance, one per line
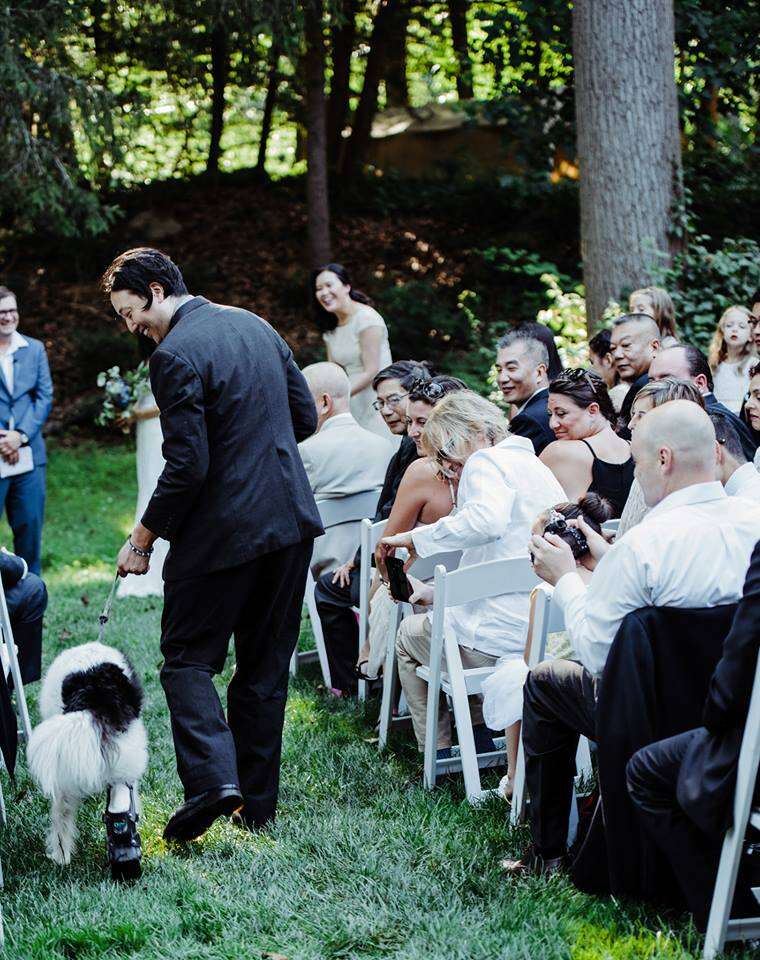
(422, 323)
(707, 278)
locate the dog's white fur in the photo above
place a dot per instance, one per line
(67, 754)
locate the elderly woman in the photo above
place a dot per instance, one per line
(503, 486)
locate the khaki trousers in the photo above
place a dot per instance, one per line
(413, 650)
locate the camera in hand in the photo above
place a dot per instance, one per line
(398, 582)
(572, 536)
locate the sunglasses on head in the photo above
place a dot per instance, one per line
(429, 390)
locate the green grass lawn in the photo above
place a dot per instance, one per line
(361, 862)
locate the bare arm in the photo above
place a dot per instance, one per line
(415, 489)
(570, 463)
(370, 342)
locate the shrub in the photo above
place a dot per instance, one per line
(422, 323)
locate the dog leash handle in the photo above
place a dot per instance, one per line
(105, 615)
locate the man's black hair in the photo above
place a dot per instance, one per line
(136, 269)
(534, 346)
(696, 362)
(727, 435)
(599, 344)
(406, 371)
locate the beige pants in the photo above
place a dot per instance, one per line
(413, 649)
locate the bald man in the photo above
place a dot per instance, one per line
(634, 342)
(341, 458)
(691, 550)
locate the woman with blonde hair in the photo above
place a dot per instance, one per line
(503, 486)
(731, 354)
(656, 303)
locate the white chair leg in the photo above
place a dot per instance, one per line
(431, 723)
(461, 704)
(3, 813)
(572, 825)
(583, 766)
(389, 679)
(316, 629)
(517, 813)
(294, 663)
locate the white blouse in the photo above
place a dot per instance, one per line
(732, 382)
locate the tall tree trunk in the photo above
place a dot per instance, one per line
(343, 36)
(365, 112)
(458, 18)
(318, 201)
(628, 142)
(219, 73)
(273, 82)
(396, 82)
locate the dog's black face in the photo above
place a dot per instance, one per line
(113, 698)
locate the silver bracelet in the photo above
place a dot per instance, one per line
(138, 551)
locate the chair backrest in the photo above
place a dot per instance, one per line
(545, 618)
(349, 509)
(493, 578)
(610, 527)
(424, 567)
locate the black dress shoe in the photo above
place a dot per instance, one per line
(196, 815)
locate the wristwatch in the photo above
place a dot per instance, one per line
(24, 438)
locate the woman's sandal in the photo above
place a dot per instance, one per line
(362, 675)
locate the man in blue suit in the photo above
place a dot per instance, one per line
(26, 397)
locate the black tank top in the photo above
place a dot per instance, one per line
(611, 480)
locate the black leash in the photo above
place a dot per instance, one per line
(105, 615)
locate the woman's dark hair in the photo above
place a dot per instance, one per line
(599, 344)
(584, 387)
(406, 371)
(594, 509)
(753, 372)
(327, 321)
(433, 389)
(136, 269)
(539, 331)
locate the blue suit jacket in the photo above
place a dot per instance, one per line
(32, 397)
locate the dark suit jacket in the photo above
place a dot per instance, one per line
(533, 422)
(32, 397)
(745, 434)
(708, 773)
(625, 410)
(233, 407)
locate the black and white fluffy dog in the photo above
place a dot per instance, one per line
(91, 739)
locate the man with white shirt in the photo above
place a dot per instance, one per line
(691, 550)
(341, 459)
(522, 363)
(502, 489)
(738, 476)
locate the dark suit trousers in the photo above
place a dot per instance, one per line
(559, 704)
(27, 601)
(258, 602)
(339, 626)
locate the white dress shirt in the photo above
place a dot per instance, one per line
(744, 482)
(501, 492)
(691, 550)
(6, 359)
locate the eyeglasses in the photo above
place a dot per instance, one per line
(391, 401)
(429, 390)
(9, 313)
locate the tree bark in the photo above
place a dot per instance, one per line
(458, 18)
(273, 82)
(318, 202)
(396, 81)
(357, 146)
(343, 37)
(219, 74)
(628, 142)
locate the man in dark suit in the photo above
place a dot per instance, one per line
(634, 342)
(523, 361)
(26, 598)
(26, 397)
(235, 505)
(686, 362)
(683, 786)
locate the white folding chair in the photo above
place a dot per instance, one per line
(610, 527)
(465, 585)
(545, 618)
(370, 535)
(720, 926)
(333, 512)
(423, 568)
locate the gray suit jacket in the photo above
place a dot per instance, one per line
(340, 460)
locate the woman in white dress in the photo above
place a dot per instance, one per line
(150, 463)
(356, 339)
(732, 353)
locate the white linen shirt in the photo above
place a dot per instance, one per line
(744, 482)
(501, 492)
(6, 359)
(691, 550)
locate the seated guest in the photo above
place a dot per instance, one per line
(751, 410)
(691, 550)
(651, 395)
(657, 303)
(600, 359)
(539, 331)
(341, 459)
(683, 786)
(738, 476)
(26, 597)
(337, 593)
(587, 455)
(523, 362)
(686, 362)
(503, 689)
(423, 497)
(635, 341)
(503, 486)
